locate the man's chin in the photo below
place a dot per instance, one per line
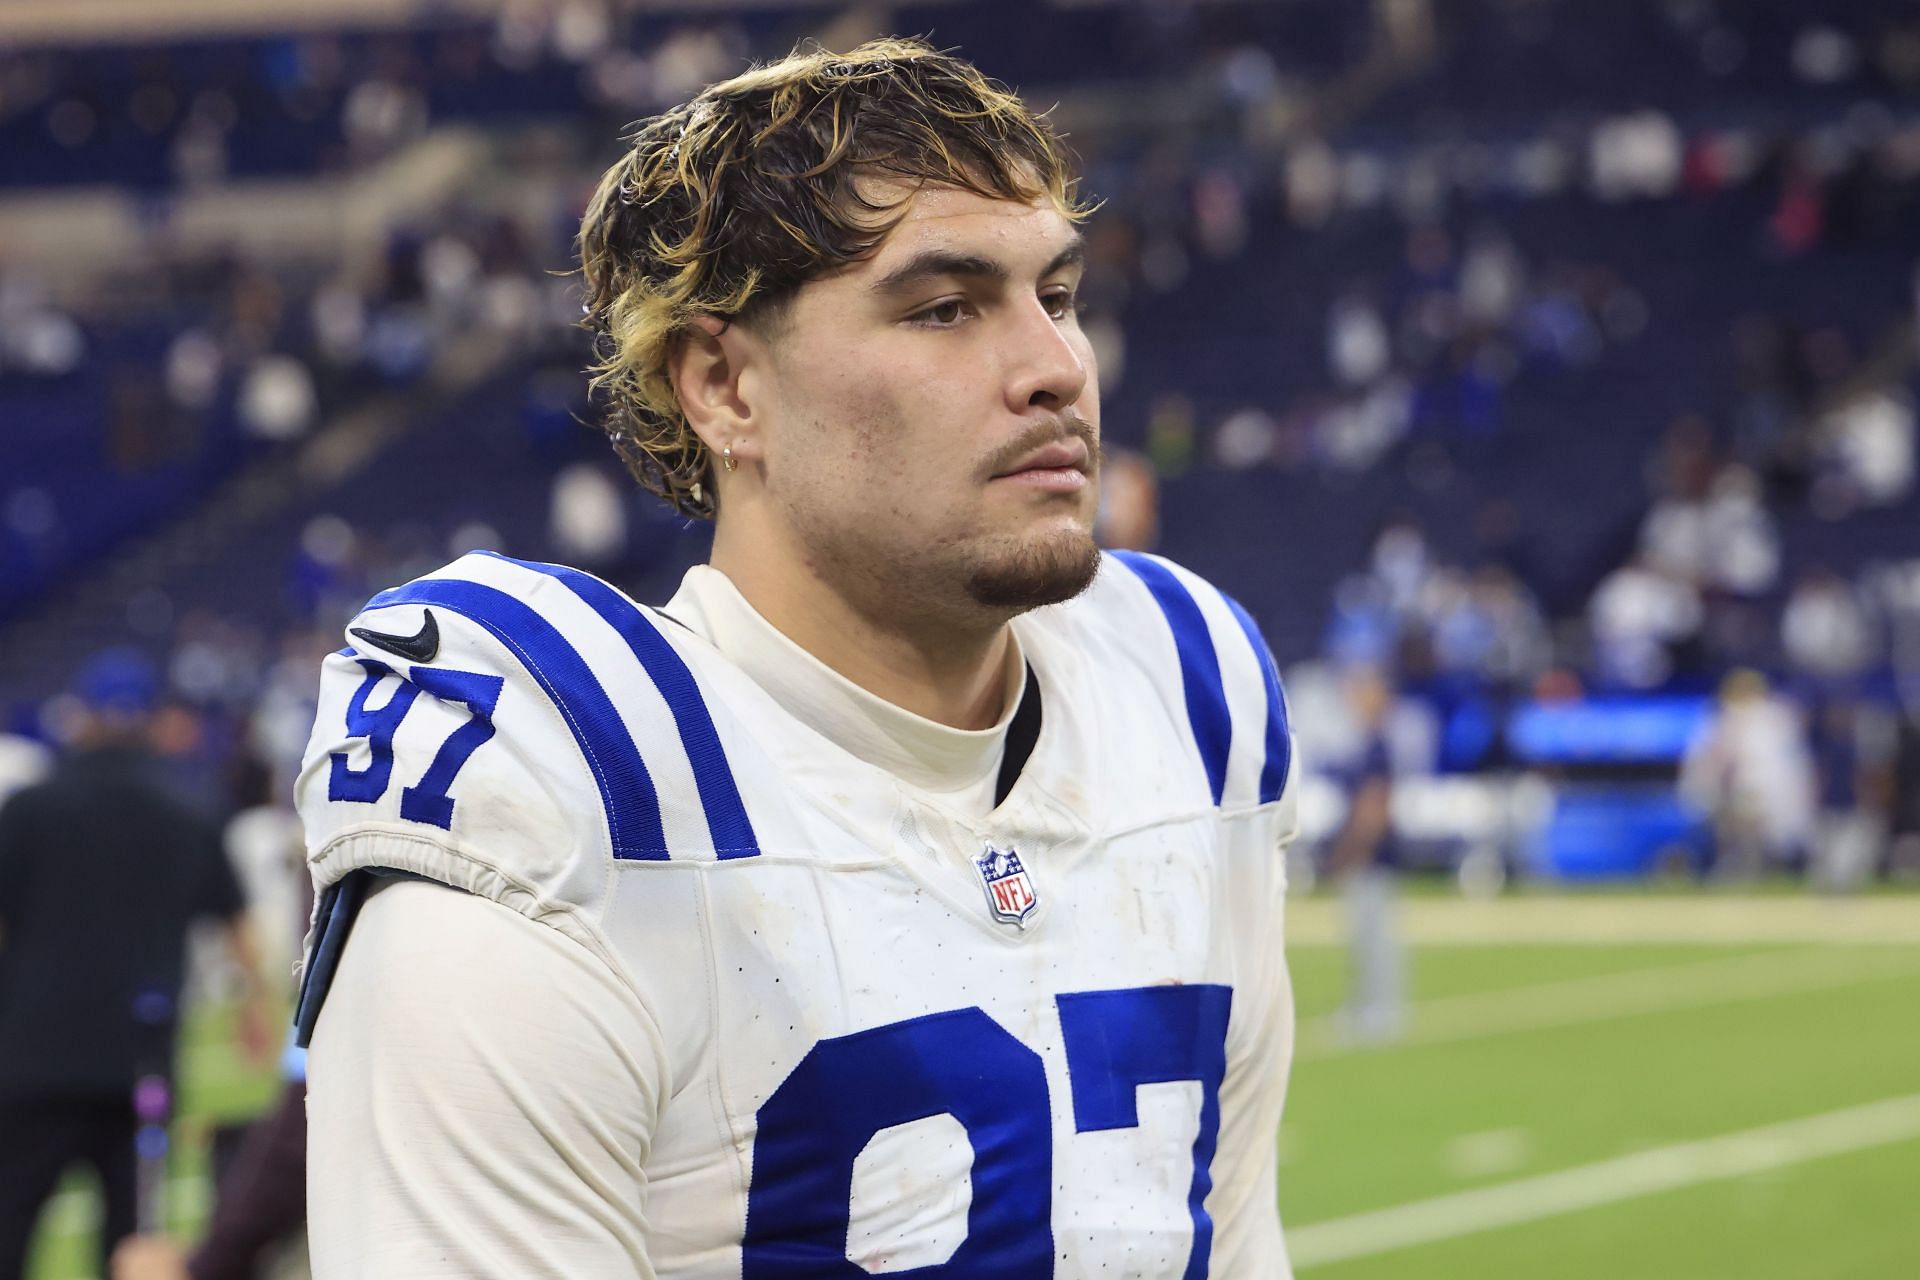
(1035, 574)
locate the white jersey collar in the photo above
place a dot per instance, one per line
(959, 764)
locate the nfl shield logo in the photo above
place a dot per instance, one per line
(1010, 895)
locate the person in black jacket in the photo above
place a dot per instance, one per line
(101, 873)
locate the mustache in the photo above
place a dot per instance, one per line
(1065, 426)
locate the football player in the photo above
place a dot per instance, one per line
(905, 894)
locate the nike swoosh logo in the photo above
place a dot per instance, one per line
(419, 647)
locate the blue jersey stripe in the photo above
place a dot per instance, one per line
(626, 790)
(1273, 774)
(1199, 665)
(727, 822)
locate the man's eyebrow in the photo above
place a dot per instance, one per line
(930, 264)
(1075, 254)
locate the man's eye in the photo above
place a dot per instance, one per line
(943, 315)
(1061, 305)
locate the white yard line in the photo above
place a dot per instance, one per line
(1662, 1169)
(1668, 988)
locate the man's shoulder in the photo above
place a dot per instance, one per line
(507, 708)
(1150, 628)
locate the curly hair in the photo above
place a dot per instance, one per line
(726, 205)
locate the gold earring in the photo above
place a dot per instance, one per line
(726, 458)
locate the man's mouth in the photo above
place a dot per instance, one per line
(1059, 467)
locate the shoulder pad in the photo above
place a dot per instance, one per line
(527, 716)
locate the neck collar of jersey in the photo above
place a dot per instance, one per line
(920, 752)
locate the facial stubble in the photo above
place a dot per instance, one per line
(1029, 576)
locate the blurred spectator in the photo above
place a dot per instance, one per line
(22, 762)
(327, 578)
(1359, 348)
(1868, 446)
(1751, 772)
(1363, 627)
(1492, 280)
(1825, 630)
(1364, 862)
(1463, 634)
(268, 853)
(1357, 433)
(1643, 621)
(101, 872)
(1402, 563)
(277, 399)
(1246, 439)
(587, 519)
(1312, 183)
(1488, 627)
(1853, 745)
(1636, 156)
(1742, 545)
(1170, 435)
(1674, 535)
(260, 1201)
(382, 114)
(1129, 515)
(36, 336)
(193, 370)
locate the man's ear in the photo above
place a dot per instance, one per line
(706, 367)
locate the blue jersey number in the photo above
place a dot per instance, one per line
(966, 1065)
(427, 800)
(1120, 1040)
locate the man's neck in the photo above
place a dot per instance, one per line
(953, 675)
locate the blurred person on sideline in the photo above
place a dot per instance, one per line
(102, 871)
(1903, 848)
(260, 1200)
(1364, 864)
(260, 1203)
(1129, 515)
(1853, 745)
(1751, 772)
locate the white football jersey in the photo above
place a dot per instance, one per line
(1047, 1042)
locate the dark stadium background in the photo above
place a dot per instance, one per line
(1555, 358)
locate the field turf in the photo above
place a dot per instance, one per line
(1703, 1089)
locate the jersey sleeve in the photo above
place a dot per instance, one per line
(466, 735)
(455, 769)
(486, 1070)
(481, 1102)
(520, 731)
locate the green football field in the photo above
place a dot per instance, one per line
(1694, 1087)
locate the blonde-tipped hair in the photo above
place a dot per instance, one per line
(724, 206)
